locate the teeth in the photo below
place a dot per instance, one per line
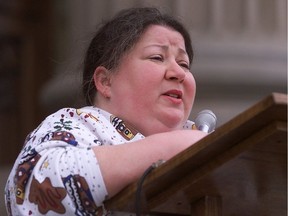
(173, 95)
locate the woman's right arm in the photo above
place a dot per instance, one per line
(123, 164)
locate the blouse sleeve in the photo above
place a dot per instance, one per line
(57, 171)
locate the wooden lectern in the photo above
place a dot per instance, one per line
(240, 169)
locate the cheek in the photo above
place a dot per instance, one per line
(133, 88)
(190, 89)
(191, 84)
(146, 82)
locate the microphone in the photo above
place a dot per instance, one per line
(206, 121)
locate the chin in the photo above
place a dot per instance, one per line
(173, 122)
(174, 118)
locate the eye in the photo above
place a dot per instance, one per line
(184, 65)
(157, 58)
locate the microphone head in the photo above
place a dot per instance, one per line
(206, 121)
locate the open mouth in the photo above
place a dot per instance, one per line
(174, 94)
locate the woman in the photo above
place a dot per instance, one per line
(139, 91)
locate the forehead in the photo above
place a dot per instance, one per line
(163, 35)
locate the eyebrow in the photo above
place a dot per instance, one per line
(164, 47)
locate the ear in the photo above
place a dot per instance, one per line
(102, 81)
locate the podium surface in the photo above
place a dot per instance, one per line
(239, 169)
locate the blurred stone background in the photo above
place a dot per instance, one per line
(240, 57)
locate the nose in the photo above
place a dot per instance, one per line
(175, 72)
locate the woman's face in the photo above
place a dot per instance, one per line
(152, 88)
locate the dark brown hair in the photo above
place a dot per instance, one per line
(117, 36)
